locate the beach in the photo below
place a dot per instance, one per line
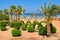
(6, 35)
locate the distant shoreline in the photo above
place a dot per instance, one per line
(39, 15)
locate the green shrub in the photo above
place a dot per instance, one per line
(3, 28)
(16, 33)
(1, 16)
(35, 22)
(42, 31)
(39, 25)
(11, 24)
(6, 17)
(3, 23)
(28, 22)
(31, 28)
(0, 27)
(17, 25)
(53, 30)
(22, 22)
(24, 27)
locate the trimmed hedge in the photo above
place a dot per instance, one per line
(39, 25)
(28, 22)
(53, 30)
(3, 23)
(11, 24)
(22, 22)
(3, 28)
(42, 31)
(24, 27)
(1, 16)
(17, 25)
(35, 22)
(31, 28)
(16, 33)
(6, 17)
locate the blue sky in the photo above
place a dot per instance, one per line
(28, 5)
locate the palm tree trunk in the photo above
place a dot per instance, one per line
(48, 27)
(10, 18)
(16, 18)
(19, 17)
(3, 16)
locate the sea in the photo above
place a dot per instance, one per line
(39, 15)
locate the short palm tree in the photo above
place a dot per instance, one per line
(12, 8)
(49, 11)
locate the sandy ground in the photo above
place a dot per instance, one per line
(6, 35)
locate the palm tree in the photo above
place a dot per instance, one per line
(16, 14)
(20, 11)
(1, 15)
(49, 11)
(5, 14)
(5, 11)
(12, 8)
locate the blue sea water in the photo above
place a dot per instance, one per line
(39, 15)
(25, 15)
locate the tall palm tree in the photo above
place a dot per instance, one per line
(5, 11)
(1, 15)
(49, 11)
(20, 11)
(12, 8)
(16, 14)
(5, 14)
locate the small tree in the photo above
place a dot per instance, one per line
(49, 11)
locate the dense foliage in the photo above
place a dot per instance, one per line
(40, 25)
(3, 24)
(16, 33)
(24, 27)
(42, 31)
(31, 28)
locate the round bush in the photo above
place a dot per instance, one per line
(28, 22)
(35, 22)
(53, 30)
(3, 28)
(11, 24)
(22, 22)
(39, 25)
(1, 16)
(16, 33)
(0, 27)
(15, 24)
(24, 27)
(31, 28)
(3, 22)
(6, 17)
(42, 31)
